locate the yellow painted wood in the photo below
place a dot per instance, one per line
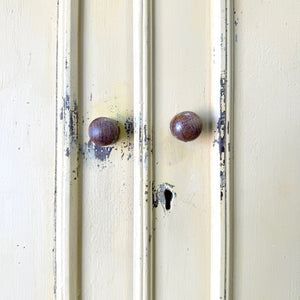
(106, 89)
(27, 148)
(182, 58)
(79, 223)
(68, 226)
(143, 154)
(267, 146)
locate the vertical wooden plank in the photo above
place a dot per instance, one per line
(27, 148)
(182, 81)
(67, 185)
(106, 89)
(267, 147)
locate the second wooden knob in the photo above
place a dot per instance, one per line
(186, 126)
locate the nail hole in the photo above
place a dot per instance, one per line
(168, 198)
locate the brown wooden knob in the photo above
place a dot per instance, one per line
(104, 131)
(186, 126)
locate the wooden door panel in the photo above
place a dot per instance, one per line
(267, 127)
(181, 72)
(91, 222)
(27, 154)
(107, 172)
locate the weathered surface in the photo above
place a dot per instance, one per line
(27, 148)
(266, 150)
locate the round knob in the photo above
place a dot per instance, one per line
(104, 131)
(186, 126)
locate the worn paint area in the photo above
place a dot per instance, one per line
(123, 148)
(220, 133)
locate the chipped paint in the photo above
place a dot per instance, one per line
(100, 152)
(220, 132)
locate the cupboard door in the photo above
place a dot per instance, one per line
(149, 216)
(138, 63)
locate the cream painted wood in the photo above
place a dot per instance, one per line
(222, 156)
(141, 62)
(267, 146)
(106, 89)
(182, 58)
(143, 154)
(68, 222)
(27, 148)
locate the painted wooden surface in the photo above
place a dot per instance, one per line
(267, 146)
(141, 63)
(182, 82)
(106, 89)
(27, 148)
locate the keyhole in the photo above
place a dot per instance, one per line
(168, 198)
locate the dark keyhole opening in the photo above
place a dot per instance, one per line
(168, 198)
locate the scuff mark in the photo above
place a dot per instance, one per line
(66, 64)
(62, 113)
(236, 19)
(68, 152)
(128, 125)
(69, 113)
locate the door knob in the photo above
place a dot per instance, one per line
(186, 126)
(104, 131)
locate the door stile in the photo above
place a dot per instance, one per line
(222, 191)
(142, 60)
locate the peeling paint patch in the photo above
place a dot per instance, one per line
(124, 147)
(128, 125)
(99, 152)
(69, 113)
(220, 138)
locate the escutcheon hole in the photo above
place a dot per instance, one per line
(168, 198)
